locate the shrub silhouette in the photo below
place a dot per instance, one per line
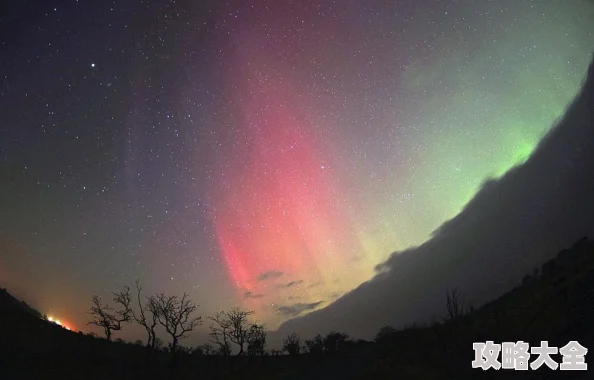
(315, 346)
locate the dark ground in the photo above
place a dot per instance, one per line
(555, 303)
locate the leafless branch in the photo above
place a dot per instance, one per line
(219, 332)
(149, 323)
(175, 315)
(109, 319)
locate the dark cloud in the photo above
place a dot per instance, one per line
(249, 294)
(270, 275)
(512, 225)
(290, 284)
(314, 284)
(298, 308)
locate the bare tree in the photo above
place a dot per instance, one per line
(151, 310)
(235, 323)
(454, 305)
(175, 315)
(292, 344)
(256, 340)
(219, 332)
(239, 327)
(109, 319)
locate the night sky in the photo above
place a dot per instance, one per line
(261, 154)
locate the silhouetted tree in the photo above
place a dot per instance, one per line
(335, 342)
(147, 316)
(256, 340)
(239, 327)
(316, 345)
(109, 319)
(292, 344)
(175, 315)
(219, 332)
(235, 324)
(454, 305)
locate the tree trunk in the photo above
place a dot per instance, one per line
(174, 346)
(151, 339)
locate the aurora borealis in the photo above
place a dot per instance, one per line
(256, 153)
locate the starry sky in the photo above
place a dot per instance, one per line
(261, 154)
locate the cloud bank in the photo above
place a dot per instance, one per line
(298, 308)
(269, 275)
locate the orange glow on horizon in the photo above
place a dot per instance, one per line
(59, 323)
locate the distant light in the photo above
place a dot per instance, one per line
(92, 65)
(58, 322)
